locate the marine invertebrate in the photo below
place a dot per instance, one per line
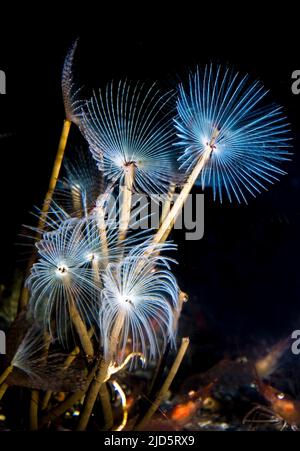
(137, 303)
(230, 137)
(223, 118)
(130, 137)
(68, 273)
(31, 364)
(165, 386)
(28, 355)
(283, 409)
(55, 217)
(70, 102)
(62, 284)
(26, 358)
(82, 184)
(70, 90)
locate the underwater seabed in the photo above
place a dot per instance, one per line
(235, 393)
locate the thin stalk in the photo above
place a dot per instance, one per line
(157, 376)
(55, 172)
(102, 233)
(165, 228)
(167, 203)
(92, 394)
(182, 298)
(24, 296)
(165, 387)
(103, 392)
(76, 201)
(46, 399)
(126, 191)
(80, 329)
(34, 405)
(101, 376)
(96, 273)
(106, 407)
(3, 389)
(61, 408)
(166, 209)
(5, 374)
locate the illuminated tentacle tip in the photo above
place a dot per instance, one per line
(70, 90)
(122, 395)
(115, 368)
(183, 297)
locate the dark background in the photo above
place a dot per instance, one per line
(243, 276)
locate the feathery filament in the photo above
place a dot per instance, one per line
(224, 118)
